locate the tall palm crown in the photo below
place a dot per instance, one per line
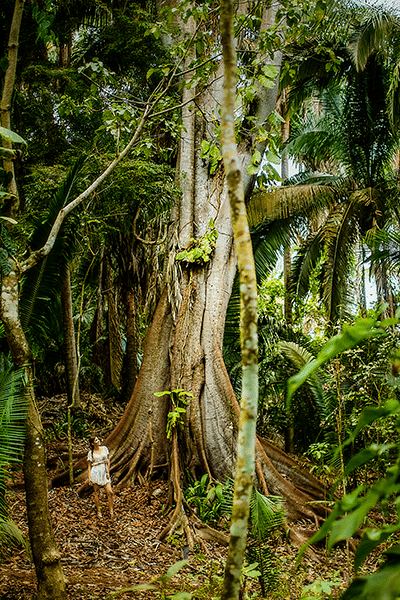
(348, 146)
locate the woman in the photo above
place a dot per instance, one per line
(99, 473)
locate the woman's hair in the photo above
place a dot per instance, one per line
(91, 442)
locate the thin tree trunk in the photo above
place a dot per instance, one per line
(245, 466)
(132, 346)
(361, 287)
(47, 559)
(6, 99)
(384, 291)
(114, 345)
(71, 362)
(287, 263)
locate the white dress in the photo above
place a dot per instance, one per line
(99, 461)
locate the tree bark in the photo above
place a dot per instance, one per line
(287, 262)
(384, 292)
(245, 465)
(287, 258)
(6, 98)
(50, 579)
(71, 362)
(132, 346)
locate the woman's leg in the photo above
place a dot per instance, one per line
(110, 496)
(96, 497)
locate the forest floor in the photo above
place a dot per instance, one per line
(103, 556)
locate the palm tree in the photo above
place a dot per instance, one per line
(349, 190)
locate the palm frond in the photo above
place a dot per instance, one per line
(269, 241)
(13, 404)
(340, 233)
(394, 92)
(313, 141)
(11, 535)
(299, 357)
(266, 512)
(266, 515)
(13, 407)
(305, 198)
(372, 34)
(305, 262)
(385, 248)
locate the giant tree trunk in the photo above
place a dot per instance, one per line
(50, 579)
(184, 345)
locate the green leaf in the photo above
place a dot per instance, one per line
(108, 115)
(370, 540)
(270, 71)
(181, 255)
(325, 587)
(365, 455)
(349, 337)
(174, 569)
(274, 158)
(252, 169)
(371, 414)
(346, 527)
(322, 532)
(205, 146)
(256, 158)
(7, 153)
(11, 136)
(4, 63)
(382, 585)
(266, 82)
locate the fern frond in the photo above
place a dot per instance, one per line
(266, 514)
(11, 535)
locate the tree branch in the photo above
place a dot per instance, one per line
(38, 255)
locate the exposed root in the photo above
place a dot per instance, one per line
(179, 521)
(179, 514)
(261, 479)
(206, 532)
